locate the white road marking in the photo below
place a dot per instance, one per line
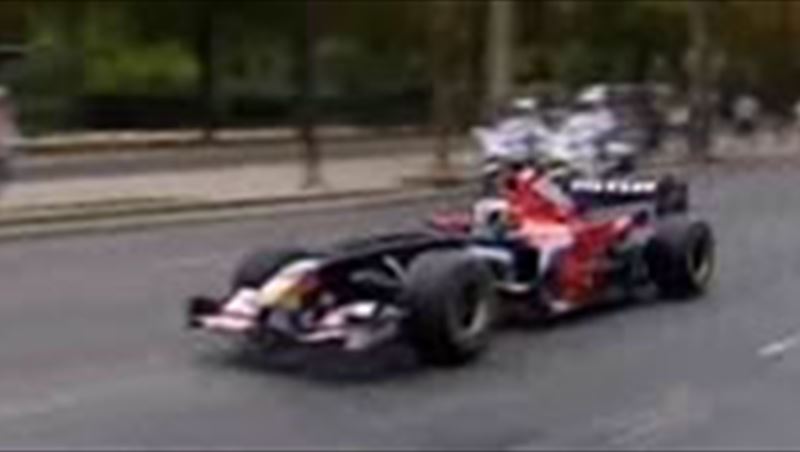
(779, 347)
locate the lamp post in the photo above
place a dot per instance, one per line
(441, 86)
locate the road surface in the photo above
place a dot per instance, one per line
(93, 355)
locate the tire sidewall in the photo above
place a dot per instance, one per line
(436, 279)
(672, 262)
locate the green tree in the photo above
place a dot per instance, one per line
(12, 21)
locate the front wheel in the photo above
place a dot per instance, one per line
(451, 300)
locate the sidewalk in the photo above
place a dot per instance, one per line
(94, 197)
(49, 166)
(114, 141)
(271, 180)
(229, 181)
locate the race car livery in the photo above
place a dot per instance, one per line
(542, 246)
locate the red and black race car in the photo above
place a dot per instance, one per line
(549, 247)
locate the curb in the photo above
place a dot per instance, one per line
(84, 211)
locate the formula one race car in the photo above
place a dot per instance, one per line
(548, 250)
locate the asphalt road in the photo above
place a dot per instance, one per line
(92, 353)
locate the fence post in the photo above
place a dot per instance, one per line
(500, 39)
(700, 108)
(206, 54)
(307, 95)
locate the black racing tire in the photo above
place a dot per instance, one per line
(256, 267)
(681, 259)
(452, 305)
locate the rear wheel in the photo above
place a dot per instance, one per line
(451, 300)
(681, 258)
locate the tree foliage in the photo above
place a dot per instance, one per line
(368, 49)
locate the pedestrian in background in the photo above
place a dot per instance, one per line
(9, 133)
(796, 113)
(746, 109)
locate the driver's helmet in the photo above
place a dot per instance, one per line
(5, 96)
(491, 218)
